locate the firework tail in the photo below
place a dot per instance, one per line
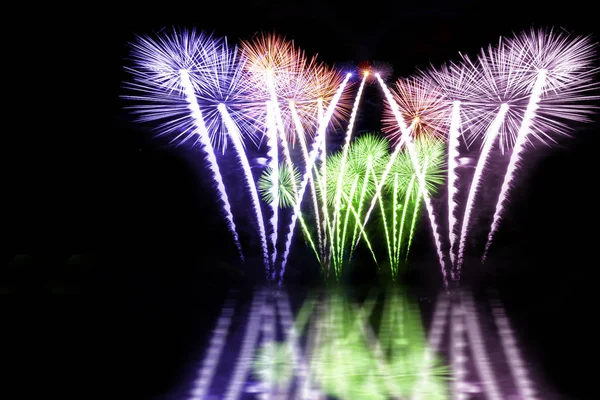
(313, 191)
(413, 223)
(491, 136)
(407, 196)
(234, 135)
(272, 154)
(322, 186)
(311, 162)
(338, 190)
(361, 202)
(453, 144)
(196, 114)
(517, 153)
(405, 138)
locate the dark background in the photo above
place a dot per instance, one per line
(117, 262)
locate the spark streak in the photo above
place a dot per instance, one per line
(338, 191)
(310, 164)
(491, 136)
(411, 151)
(234, 135)
(272, 153)
(522, 140)
(453, 155)
(209, 154)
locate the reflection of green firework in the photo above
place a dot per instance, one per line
(349, 364)
(403, 195)
(413, 369)
(273, 365)
(343, 363)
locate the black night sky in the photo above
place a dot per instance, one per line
(116, 278)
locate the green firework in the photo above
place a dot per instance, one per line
(349, 185)
(351, 360)
(400, 206)
(286, 182)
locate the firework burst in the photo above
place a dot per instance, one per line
(162, 70)
(559, 73)
(404, 194)
(419, 100)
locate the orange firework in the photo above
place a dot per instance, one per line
(327, 82)
(420, 102)
(385, 70)
(281, 72)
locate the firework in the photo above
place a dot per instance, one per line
(419, 100)
(408, 141)
(337, 199)
(559, 73)
(351, 180)
(455, 82)
(196, 88)
(166, 94)
(284, 197)
(312, 156)
(402, 183)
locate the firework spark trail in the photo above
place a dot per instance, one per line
(403, 218)
(413, 222)
(420, 175)
(348, 209)
(323, 178)
(453, 154)
(395, 242)
(360, 227)
(272, 154)
(313, 191)
(235, 135)
(310, 164)
(383, 218)
(209, 154)
(491, 136)
(338, 190)
(280, 126)
(361, 201)
(385, 174)
(522, 140)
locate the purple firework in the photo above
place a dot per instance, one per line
(165, 72)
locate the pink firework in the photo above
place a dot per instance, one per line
(456, 82)
(499, 96)
(559, 71)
